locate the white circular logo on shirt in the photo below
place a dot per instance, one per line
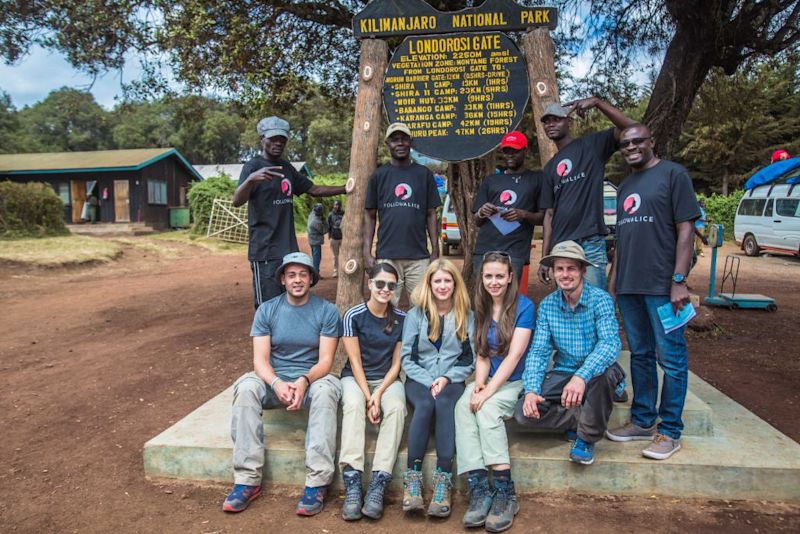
(403, 191)
(286, 187)
(564, 167)
(508, 197)
(632, 203)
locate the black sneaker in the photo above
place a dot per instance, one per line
(373, 501)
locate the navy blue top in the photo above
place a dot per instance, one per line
(526, 318)
(377, 347)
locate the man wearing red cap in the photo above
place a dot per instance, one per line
(780, 155)
(506, 207)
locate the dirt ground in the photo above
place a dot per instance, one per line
(96, 360)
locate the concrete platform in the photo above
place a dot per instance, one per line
(727, 452)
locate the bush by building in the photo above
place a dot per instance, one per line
(30, 210)
(201, 199)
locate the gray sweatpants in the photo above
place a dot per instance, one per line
(251, 395)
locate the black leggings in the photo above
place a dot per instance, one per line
(425, 408)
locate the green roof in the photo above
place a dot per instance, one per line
(97, 161)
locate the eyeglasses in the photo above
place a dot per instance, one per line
(635, 141)
(382, 284)
(497, 253)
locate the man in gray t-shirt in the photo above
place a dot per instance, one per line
(294, 340)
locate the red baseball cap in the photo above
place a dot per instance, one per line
(780, 155)
(515, 140)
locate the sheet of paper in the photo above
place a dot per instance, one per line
(503, 226)
(670, 321)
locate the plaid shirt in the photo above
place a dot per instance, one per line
(586, 339)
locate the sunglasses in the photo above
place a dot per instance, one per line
(383, 284)
(497, 253)
(635, 141)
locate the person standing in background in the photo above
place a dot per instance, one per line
(335, 233)
(317, 227)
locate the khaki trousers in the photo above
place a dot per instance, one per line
(354, 423)
(410, 274)
(335, 246)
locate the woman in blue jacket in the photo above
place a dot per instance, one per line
(437, 357)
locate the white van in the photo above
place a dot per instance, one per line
(768, 219)
(451, 235)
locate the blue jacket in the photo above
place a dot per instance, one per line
(423, 363)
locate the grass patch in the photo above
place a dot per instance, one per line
(57, 251)
(213, 245)
(146, 245)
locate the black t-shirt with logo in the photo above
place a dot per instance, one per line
(402, 196)
(650, 204)
(575, 186)
(377, 347)
(520, 190)
(270, 210)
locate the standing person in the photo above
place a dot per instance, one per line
(403, 195)
(335, 219)
(317, 227)
(700, 230)
(371, 391)
(294, 340)
(515, 195)
(436, 357)
(268, 184)
(504, 321)
(656, 210)
(573, 197)
(578, 321)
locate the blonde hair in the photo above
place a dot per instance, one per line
(423, 299)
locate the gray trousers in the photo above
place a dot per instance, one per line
(251, 395)
(590, 419)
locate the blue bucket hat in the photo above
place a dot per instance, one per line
(298, 258)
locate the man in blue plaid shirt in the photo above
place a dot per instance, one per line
(578, 321)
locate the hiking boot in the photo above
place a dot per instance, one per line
(480, 500)
(582, 452)
(440, 502)
(504, 507)
(311, 502)
(412, 491)
(631, 432)
(373, 501)
(240, 497)
(662, 447)
(351, 509)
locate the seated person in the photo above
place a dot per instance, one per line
(579, 322)
(294, 340)
(371, 390)
(504, 320)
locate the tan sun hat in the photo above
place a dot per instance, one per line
(568, 250)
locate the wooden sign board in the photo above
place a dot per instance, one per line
(458, 93)
(415, 17)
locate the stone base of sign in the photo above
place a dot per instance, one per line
(727, 453)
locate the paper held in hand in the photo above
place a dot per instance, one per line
(670, 321)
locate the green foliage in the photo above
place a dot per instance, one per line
(304, 203)
(721, 209)
(201, 199)
(30, 210)
(9, 125)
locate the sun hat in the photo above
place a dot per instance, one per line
(298, 258)
(568, 250)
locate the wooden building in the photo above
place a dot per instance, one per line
(138, 185)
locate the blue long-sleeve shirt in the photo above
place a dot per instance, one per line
(586, 339)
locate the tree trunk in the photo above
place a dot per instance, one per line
(363, 160)
(686, 64)
(540, 58)
(725, 179)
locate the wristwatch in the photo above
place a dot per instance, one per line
(678, 278)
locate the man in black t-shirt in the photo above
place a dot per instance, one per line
(269, 183)
(506, 208)
(403, 195)
(573, 199)
(656, 210)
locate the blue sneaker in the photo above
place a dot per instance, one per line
(582, 452)
(571, 435)
(311, 502)
(240, 497)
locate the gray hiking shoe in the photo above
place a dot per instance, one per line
(440, 505)
(480, 500)
(631, 432)
(662, 447)
(373, 500)
(351, 509)
(504, 507)
(412, 491)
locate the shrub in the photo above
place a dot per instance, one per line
(721, 209)
(201, 199)
(30, 210)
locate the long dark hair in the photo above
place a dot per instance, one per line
(483, 311)
(391, 316)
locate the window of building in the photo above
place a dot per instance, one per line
(62, 190)
(157, 192)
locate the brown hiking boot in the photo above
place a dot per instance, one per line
(440, 503)
(412, 491)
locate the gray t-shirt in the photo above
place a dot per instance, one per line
(295, 332)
